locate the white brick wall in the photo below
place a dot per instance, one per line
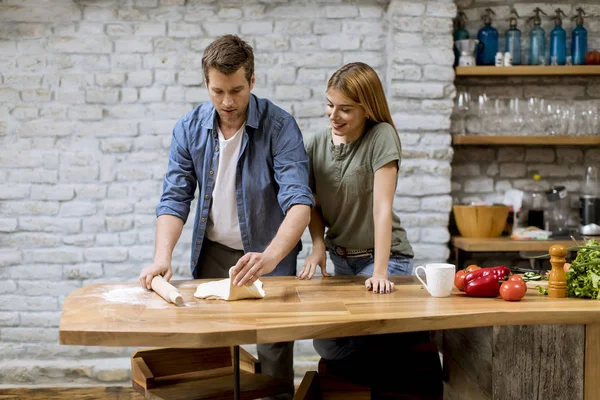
(89, 92)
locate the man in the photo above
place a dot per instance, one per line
(247, 157)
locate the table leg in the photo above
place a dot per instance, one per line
(459, 258)
(592, 361)
(236, 372)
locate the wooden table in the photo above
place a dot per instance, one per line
(463, 246)
(491, 331)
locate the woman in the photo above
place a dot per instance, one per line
(354, 169)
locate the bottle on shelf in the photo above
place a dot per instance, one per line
(513, 39)
(460, 33)
(579, 40)
(558, 40)
(535, 204)
(589, 202)
(537, 38)
(488, 40)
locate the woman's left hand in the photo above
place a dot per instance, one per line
(379, 284)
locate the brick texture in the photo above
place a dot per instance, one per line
(89, 93)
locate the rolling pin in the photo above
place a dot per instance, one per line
(167, 291)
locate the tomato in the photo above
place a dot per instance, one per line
(517, 278)
(513, 290)
(472, 268)
(592, 57)
(459, 280)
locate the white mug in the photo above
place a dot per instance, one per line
(440, 278)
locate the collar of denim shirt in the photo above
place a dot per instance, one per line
(252, 115)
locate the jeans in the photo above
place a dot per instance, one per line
(340, 348)
(365, 265)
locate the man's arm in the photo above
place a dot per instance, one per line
(253, 265)
(173, 209)
(289, 233)
(168, 231)
(290, 169)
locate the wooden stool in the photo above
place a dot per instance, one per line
(412, 372)
(317, 387)
(194, 374)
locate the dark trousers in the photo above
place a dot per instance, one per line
(276, 359)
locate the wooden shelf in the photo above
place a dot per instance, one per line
(529, 70)
(505, 244)
(486, 140)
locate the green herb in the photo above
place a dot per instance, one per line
(584, 275)
(542, 290)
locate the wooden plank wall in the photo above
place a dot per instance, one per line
(70, 393)
(534, 362)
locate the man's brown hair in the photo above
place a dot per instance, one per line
(227, 54)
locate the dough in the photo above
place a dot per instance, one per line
(225, 290)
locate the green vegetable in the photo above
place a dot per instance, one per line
(532, 276)
(542, 290)
(584, 275)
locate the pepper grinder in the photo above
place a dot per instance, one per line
(557, 282)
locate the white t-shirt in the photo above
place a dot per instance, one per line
(223, 226)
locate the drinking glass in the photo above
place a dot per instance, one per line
(498, 125)
(516, 117)
(462, 107)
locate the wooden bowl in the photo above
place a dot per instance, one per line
(480, 221)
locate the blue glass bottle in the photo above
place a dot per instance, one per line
(488, 40)
(579, 45)
(537, 39)
(558, 40)
(460, 33)
(513, 39)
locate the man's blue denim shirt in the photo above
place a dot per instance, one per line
(272, 175)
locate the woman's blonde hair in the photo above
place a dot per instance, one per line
(360, 83)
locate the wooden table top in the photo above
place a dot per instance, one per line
(505, 244)
(124, 314)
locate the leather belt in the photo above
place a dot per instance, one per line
(344, 252)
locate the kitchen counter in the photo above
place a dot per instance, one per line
(124, 314)
(504, 244)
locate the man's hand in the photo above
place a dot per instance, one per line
(251, 267)
(153, 270)
(379, 284)
(317, 257)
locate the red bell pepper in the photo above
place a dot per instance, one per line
(485, 282)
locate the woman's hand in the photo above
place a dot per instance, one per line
(317, 257)
(379, 284)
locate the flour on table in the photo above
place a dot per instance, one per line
(126, 294)
(224, 289)
(134, 295)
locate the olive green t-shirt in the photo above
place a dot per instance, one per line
(342, 177)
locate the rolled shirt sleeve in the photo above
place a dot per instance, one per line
(291, 167)
(180, 180)
(386, 147)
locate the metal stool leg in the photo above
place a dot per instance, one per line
(236, 372)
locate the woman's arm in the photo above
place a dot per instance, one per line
(318, 255)
(384, 188)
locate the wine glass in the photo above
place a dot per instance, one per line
(462, 107)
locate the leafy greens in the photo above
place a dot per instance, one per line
(584, 275)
